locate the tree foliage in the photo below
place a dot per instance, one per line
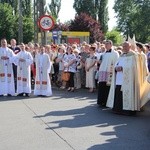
(85, 6)
(115, 36)
(26, 6)
(133, 18)
(7, 21)
(97, 9)
(54, 8)
(28, 29)
(84, 22)
(103, 14)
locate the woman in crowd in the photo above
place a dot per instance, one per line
(59, 59)
(90, 69)
(77, 76)
(70, 66)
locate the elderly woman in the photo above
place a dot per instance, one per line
(90, 69)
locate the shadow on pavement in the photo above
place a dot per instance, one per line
(128, 132)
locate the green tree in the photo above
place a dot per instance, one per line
(54, 8)
(27, 18)
(103, 14)
(133, 18)
(85, 6)
(7, 21)
(115, 36)
(28, 29)
(97, 9)
(26, 6)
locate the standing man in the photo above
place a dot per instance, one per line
(107, 62)
(124, 96)
(42, 80)
(6, 70)
(16, 50)
(14, 47)
(23, 61)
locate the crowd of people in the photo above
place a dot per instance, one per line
(118, 74)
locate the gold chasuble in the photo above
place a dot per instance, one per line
(130, 85)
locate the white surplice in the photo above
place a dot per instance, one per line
(24, 72)
(6, 72)
(42, 80)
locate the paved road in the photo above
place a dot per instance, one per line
(69, 121)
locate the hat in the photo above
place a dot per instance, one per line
(140, 45)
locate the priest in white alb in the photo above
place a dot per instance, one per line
(23, 61)
(42, 80)
(6, 70)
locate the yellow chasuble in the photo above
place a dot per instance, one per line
(130, 86)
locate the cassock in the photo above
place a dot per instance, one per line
(24, 72)
(42, 80)
(108, 60)
(16, 50)
(6, 72)
(124, 95)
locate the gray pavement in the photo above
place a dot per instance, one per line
(69, 121)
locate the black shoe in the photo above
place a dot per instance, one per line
(27, 94)
(9, 95)
(21, 94)
(43, 96)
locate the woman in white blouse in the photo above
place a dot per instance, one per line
(70, 66)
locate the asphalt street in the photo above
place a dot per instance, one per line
(69, 121)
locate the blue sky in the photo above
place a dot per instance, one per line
(67, 12)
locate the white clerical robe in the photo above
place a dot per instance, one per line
(6, 72)
(130, 85)
(107, 65)
(24, 72)
(42, 80)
